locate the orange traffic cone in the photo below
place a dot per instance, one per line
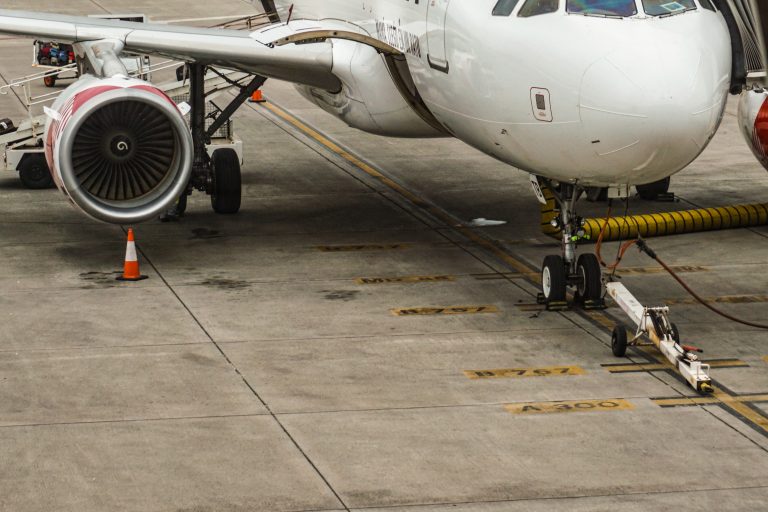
(257, 97)
(131, 268)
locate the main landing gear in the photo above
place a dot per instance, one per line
(216, 174)
(559, 272)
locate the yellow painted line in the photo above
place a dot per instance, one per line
(727, 363)
(735, 403)
(530, 306)
(725, 299)
(601, 319)
(719, 397)
(407, 194)
(496, 276)
(404, 279)
(613, 404)
(685, 401)
(448, 310)
(650, 367)
(493, 248)
(642, 367)
(363, 247)
(659, 270)
(506, 373)
(709, 400)
(763, 397)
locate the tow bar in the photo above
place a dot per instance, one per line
(654, 323)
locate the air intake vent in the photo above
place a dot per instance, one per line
(124, 150)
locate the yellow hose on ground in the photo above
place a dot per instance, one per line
(661, 224)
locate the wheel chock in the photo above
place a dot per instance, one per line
(591, 305)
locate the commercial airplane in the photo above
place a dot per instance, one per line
(578, 93)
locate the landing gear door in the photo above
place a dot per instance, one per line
(437, 10)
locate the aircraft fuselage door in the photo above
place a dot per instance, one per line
(437, 10)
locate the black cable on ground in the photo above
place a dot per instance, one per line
(650, 252)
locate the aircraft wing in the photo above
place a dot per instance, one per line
(309, 64)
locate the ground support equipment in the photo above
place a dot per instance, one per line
(653, 323)
(657, 224)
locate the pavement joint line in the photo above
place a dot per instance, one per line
(133, 420)
(751, 416)
(244, 379)
(97, 4)
(403, 507)
(396, 335)
(100, 347)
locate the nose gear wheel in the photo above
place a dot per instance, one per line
(561, 271)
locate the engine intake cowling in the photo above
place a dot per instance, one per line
(753, 122)
(118, 148)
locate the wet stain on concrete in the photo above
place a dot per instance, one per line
(205, 234)
(342, 295)
(224, 283)
(94, 280)
(197, 358)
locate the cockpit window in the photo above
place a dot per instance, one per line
(504, 7)
(536, 7)
(667, 7)
(707, 5)
(621, 8)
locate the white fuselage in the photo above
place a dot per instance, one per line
(625, 100)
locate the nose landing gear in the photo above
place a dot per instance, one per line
(559, 272)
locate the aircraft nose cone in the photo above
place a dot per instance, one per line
(649, 110)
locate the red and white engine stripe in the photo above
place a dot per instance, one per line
(753, 122)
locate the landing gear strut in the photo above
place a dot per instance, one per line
(218, 175)
(561, 271)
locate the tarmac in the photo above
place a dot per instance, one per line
(349, 342)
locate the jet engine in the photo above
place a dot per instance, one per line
(118, 148)
(376, 96)
(753, 122)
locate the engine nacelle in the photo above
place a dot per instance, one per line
(753, 122)
(369, 99)
(118, 148)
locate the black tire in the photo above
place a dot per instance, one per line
(590, 283)
(619, 341)
(6, 126)
(34, 173)
(553, 279)
(597, 194)
(652, 191)
(675, 332)
(49, 80)
(227, 184)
